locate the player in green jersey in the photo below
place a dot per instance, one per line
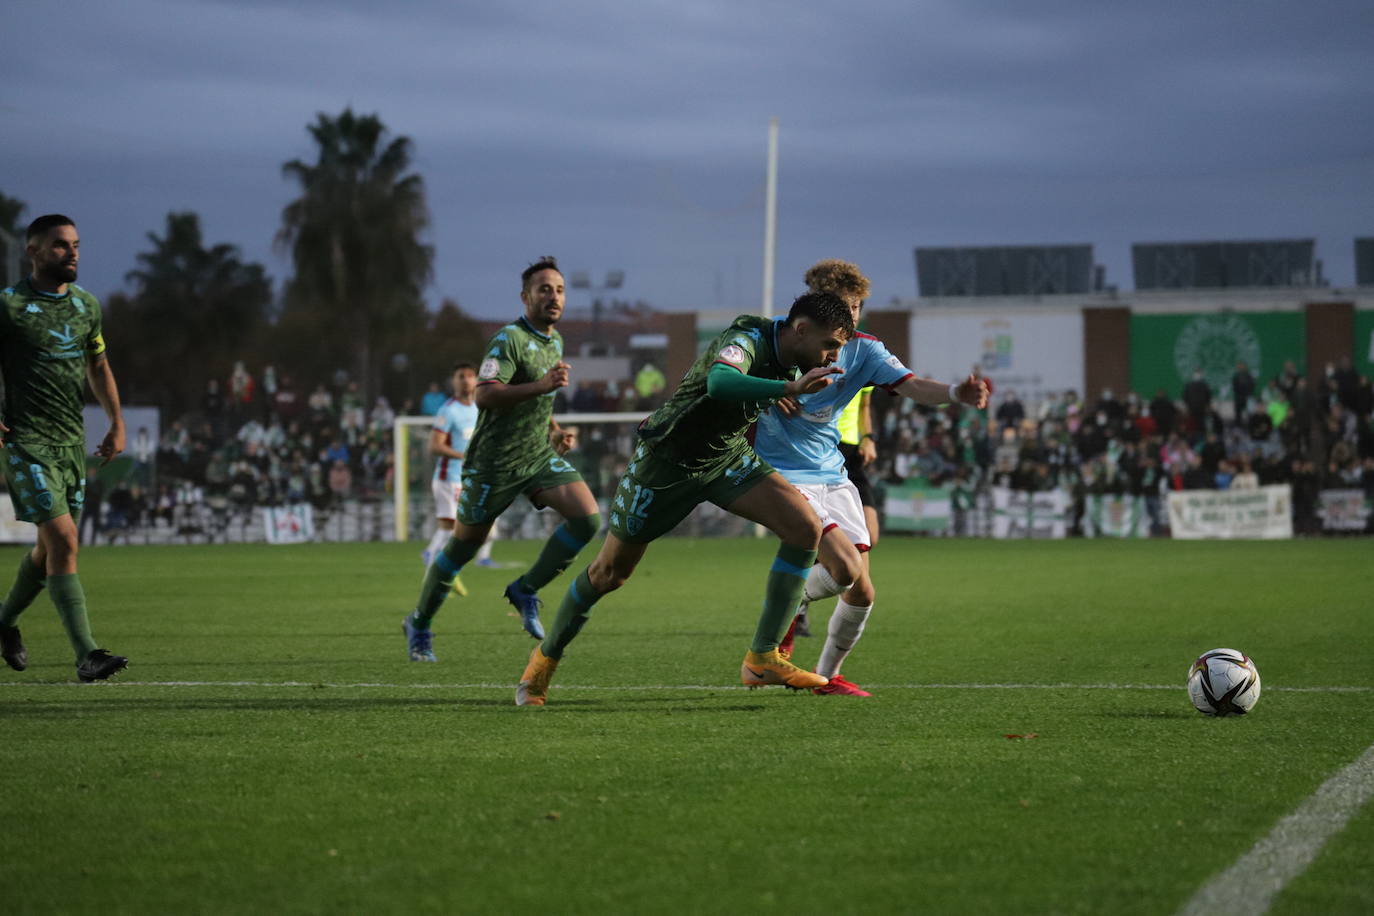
(516, 448)
(693, 450)
(50, 341)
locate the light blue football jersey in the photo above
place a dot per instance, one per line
(805, 448)
(456, 421)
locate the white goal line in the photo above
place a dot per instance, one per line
(375, 685)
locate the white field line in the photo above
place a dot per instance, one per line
(367, 685)
(1249, 886)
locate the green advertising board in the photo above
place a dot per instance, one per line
(1165, 349)
(1364, 343)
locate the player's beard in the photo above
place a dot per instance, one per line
(57, 274)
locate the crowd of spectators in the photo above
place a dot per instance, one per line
(257, 440)
(261, 441)
(1281, 431)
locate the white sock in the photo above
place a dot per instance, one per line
(846, 626)
(820, 584)
(437, 542)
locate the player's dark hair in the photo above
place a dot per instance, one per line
(826, 310)
(547, 262)
(462, 364)
(43, 224)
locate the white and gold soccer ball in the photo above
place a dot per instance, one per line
(1223, 682)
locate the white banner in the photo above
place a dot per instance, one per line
(1115, 517)
(294, 524)
(1018, 514)
(1265, 513)
(1343, 510)
(13, 531)
(1033, 354)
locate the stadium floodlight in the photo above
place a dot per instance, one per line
(581, 279)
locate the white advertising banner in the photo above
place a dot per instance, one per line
(294, 524)
(1017, 514)
(1343, 510)
(1264, 513)
(1032, 354)
(13, 531)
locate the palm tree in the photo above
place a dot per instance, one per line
(354, 238)
(15, 261)
(194, 310)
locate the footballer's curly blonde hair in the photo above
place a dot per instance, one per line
(838, 277)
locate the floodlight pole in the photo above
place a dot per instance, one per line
(770, 218)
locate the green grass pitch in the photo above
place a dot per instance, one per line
(271, 750)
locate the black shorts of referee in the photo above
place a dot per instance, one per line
(854, 467)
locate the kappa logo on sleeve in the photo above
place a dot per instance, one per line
(732, 354)
(489, 369)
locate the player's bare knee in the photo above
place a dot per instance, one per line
(861, 593)
(840, 569)
(804, 532)
(607, 577)
(62, 549)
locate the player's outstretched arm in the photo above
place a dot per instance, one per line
(102, 381)
(972, 391)
(495, 395)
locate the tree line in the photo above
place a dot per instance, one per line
(352, 304)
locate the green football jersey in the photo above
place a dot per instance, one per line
(700, 433)
(514, 437)
(44, 343)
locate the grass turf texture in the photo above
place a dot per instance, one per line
(413, 798)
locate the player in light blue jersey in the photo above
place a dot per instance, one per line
(801, 440)
(448, 443)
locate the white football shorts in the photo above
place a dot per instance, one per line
(445, 497)
(838, 506)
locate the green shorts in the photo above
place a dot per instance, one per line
(655, 494)
(45, 481)
(486, 495)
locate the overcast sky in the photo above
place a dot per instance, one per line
(632, 134)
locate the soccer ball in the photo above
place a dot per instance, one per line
(1223, 682)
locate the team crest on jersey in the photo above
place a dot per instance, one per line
(489, 369)
(633, 525)
(732, 354)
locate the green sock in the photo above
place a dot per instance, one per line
(564, 544)
(70, 599)
(572, 614)
(439, 579)
(786, 580)
(27, 584)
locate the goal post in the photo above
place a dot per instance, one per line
(603, 437)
